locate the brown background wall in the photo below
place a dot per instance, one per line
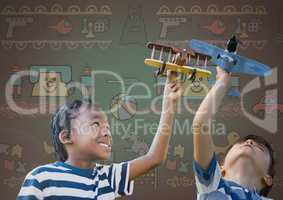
(117, 43)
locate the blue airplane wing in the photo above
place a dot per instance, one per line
(243, 65)
(205, 48)
(248, 66)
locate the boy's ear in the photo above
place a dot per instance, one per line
(268, 180)
(64, 137)
(223, 172)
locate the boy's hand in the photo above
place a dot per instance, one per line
(203, 143)
(158, 150)
(221, 74)
(173, 87)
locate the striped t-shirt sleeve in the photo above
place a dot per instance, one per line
(207, 180)
(31, 189)
(119, 178)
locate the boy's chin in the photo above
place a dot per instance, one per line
(245, 158)
(245, 153)
(101, 157)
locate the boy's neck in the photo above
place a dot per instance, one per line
(244, 181)
(79, 162)
(243, 176)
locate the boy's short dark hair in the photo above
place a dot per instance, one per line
(62, 120)
(271, 170)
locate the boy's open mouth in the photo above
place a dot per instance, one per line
(105, 145)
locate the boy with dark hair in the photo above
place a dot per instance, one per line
(248, 168)
(81, 136)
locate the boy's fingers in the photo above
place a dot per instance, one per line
(171, 76)
(171, 73)
(179, 92)
(171, 85)
(176, 87)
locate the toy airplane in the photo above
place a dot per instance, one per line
(229, 60)
(177, 61)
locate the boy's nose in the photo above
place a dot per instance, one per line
(106, 132)
(250, 142)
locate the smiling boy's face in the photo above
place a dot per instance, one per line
(90, 133)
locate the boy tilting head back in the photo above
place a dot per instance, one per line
(248, 167)
(81, 136)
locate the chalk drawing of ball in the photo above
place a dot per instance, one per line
(123, 107)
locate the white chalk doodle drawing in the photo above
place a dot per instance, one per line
(246, 27)
(151, 178)
(55, 44)
(171, 164)
(50, 80)
(21, 167)
(14, 23)
(213, 9)
(138, 146)
(87, 84)
(268, 106)
(9, 165)
(62, 27)
(183, 167)
(175, 161)
(13, 181)
(241, 29)
(87, 81)
(179, 150)
(7, 113)
(216, 27)
(255, 25)
(180, 181)
(90, 27)
(230, 110)
(4, 149)
(55, 9)
(196, 89)
(170, 22)
(15, 82)
(17, 150)
(134, 29)
(123, 107)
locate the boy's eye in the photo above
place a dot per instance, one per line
(95, 123)
(261, 147)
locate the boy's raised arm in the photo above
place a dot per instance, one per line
(203, 148)
(158, 150)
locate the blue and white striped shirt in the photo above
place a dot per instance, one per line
(212, 186)
(62, 181)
